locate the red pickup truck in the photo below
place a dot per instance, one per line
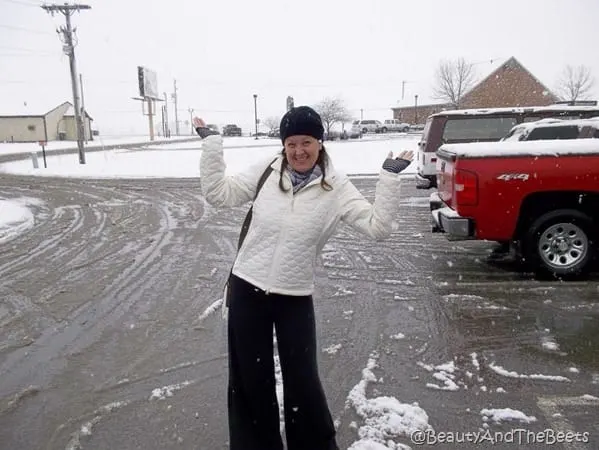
(540, 196)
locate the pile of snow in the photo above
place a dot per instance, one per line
(16, 216)
(385, 418)
(444, 373)
(506, 414)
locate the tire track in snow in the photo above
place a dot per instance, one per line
(86, 324)
(10, 268)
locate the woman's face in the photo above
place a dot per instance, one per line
(302, 152)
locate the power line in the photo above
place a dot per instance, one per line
(23, 49)
(19, 2)
(29, 30)
(28, 55)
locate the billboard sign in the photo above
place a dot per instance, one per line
(148, 83)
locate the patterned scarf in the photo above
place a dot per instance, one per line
(299, 180)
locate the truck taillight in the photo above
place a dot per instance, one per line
(465, 187)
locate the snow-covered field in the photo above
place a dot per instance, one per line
(181, 160)
(8, 148)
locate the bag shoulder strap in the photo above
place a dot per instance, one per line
(248, 218)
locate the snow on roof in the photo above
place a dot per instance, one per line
(71, 112)
(28, 108)
(517, 110)
(550, 122)
(524, 148)
(553, 122)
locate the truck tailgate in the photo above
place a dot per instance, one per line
(445, 164)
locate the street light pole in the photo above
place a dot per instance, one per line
(191, 111)
(256, 114)
(415, 109)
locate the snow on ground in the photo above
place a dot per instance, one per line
(182, 160)
(87, 427)
(506, 415)
(16, 216)
(444, 373)
(332, 349)
(511, 374)
(7, 148)
(385, 418)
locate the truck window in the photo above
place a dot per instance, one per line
(477, 128)
(544, 133)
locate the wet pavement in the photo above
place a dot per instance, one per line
(106, 341)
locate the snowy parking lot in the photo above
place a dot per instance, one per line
(111, 337)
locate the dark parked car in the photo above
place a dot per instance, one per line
(231, 130)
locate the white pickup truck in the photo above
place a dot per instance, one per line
(394, 125)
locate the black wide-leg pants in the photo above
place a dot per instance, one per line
(252, 401)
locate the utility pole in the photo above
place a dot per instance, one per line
(191, 110)
(256, 115)
(69, 50)
(83, 114)
(175, 102)
(166, 128)
(403, 88)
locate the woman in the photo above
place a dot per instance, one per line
(297, 210)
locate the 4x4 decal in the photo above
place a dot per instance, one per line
(514, 176)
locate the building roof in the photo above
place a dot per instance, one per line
(511, 63)
(71, 112)
(518, 110)
(35, 109)
(28, 108)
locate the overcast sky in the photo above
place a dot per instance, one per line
(222, 52)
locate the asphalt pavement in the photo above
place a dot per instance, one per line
(109, 338)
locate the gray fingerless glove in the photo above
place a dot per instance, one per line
(395, 165)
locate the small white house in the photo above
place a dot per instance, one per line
(33, 124)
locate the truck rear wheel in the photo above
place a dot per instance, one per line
(561, 243)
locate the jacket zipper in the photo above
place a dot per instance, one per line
(278, 248)
(281, 235)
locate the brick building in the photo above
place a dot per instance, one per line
(511, 84)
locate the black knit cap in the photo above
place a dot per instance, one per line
(301, 120)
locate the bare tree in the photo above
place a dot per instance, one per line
(332, 110)
(272, 123)
(575, 83)
(452, 80)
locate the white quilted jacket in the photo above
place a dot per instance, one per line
(288, 231)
